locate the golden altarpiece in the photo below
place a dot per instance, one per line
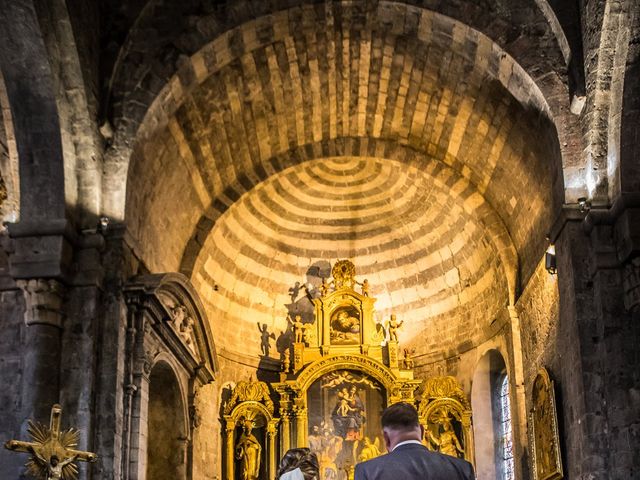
(338, 373)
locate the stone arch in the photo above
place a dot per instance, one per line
(628, 126)
(602, 175)
(198, 65)
(156, 290)
(81, 139)
(9, 170)
(31, 93)
(167, 424)
(490, 371)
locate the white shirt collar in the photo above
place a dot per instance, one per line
(406, 442)
(292, 475)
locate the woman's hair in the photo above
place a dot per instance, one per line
(302, 458)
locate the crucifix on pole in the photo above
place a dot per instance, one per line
(53, 453)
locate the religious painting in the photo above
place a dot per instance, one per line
(345, 326)
(543, 423)
(444, 432)
(344, 421)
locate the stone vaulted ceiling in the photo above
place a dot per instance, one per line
(394, 136)
(423, 247)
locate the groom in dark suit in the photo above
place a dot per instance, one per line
(408, 459)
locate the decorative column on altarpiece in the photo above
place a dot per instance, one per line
(285, 417)
(272, 431)
(300, 411)
(230, 447)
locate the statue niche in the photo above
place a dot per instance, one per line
(251, 433)
(248, 451)
(445, 414)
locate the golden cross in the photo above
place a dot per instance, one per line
(52, 451)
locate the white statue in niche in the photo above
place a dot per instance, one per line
(183, 324)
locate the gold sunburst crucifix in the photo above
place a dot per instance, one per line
(53, 453)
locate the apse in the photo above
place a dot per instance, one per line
(426, 254)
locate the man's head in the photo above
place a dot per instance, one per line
(400, 423)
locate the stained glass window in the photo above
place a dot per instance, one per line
(506, 442)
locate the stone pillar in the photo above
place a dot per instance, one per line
(594, 360)
(518, 395)
(43, 318)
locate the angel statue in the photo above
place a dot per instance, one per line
(369, 449)
(392, 328)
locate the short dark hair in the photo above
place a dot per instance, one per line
(400, 416)
(302, 458)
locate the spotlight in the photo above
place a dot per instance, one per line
(583, 204)
(550, 259)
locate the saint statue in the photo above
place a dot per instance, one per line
(248, 451)
(447, 442)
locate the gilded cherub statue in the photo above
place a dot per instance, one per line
(392, 328)
(298, 328)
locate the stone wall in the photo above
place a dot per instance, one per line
(13, 419)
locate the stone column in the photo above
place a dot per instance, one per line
(518, 397)
(594, 360)
(43, 318)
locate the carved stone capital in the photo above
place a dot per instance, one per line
(43, 298)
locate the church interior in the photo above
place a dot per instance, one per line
(234, 227)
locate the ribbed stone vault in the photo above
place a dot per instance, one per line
(423, 248)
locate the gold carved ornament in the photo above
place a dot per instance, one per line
(543, 430)
(250, 391)
(53, 453)
(343, 273)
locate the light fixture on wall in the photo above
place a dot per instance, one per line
(103, 224)
(550, 258)
(583, 204)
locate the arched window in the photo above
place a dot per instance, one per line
(494, 450)
(506, 441)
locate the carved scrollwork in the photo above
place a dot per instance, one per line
(250, 391)
(439, 387)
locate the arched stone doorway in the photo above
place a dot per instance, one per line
(166, 448)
